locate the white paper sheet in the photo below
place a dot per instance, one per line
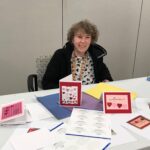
(90, 123)
(38, 112)
(63, 142)
(145, 132)
(31, 141)
(120, 135)
(17, 132)
(67, 78)
(143, 104)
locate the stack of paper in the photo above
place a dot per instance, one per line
(89, 123)
(27, 141)
(56, 139)
(51, 102)
(65, 142)
(98, 89)
(38, 111)
(20, 120)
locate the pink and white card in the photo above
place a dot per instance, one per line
(117, 102)
(11, 110)
(70, 92)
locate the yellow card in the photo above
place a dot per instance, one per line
(97, 90)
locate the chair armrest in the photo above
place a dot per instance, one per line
(32, 83)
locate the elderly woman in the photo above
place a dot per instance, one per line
(80, 56)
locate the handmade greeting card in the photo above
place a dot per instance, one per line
(117, 102)
(11, 110)
(139, 122)
(70, 92)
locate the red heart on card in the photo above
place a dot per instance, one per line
(109, 104)
(119, 105)
(136, 121)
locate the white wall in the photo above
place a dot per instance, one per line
(33, 28)
(142, 63)
(28, 29)
(117, 21)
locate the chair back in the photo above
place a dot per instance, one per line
(41, 65)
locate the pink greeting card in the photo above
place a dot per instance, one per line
(117, 102)
(139, 122)
(70, 92)
(11, 110)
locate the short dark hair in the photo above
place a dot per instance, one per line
(86, 27)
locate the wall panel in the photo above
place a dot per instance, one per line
(28, 29)
(142, 61)
(117, 21)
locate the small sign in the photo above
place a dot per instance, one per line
(11, 110)
(117, 102)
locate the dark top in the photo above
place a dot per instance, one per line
(60, 65)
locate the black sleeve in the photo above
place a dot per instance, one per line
(51, 76)
(105, 74)
(101, 71)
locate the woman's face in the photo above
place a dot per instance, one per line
(81, 42)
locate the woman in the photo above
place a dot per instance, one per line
(80, 56)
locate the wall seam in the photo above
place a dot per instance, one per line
(137, 39)
(62, 22)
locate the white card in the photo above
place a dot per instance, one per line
(38, 111)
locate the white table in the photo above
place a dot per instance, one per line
(139, 85)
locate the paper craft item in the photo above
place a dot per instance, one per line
(51, 102)
(139, 122)
(89, 123)
(26, 118)
(98, 89)
(11, 110)
(70, 92)
(117, 102)
(89, 102)
(38, 111)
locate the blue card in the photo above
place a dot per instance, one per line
(51, 102)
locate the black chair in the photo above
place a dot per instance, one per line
(34, 80)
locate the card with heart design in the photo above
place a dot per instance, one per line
(70, 92)
(117, 102)
(139, 122)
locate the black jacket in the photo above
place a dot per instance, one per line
(60, 65)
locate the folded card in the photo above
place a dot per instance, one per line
(117, 102)
(11, 110)
(70, 92)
